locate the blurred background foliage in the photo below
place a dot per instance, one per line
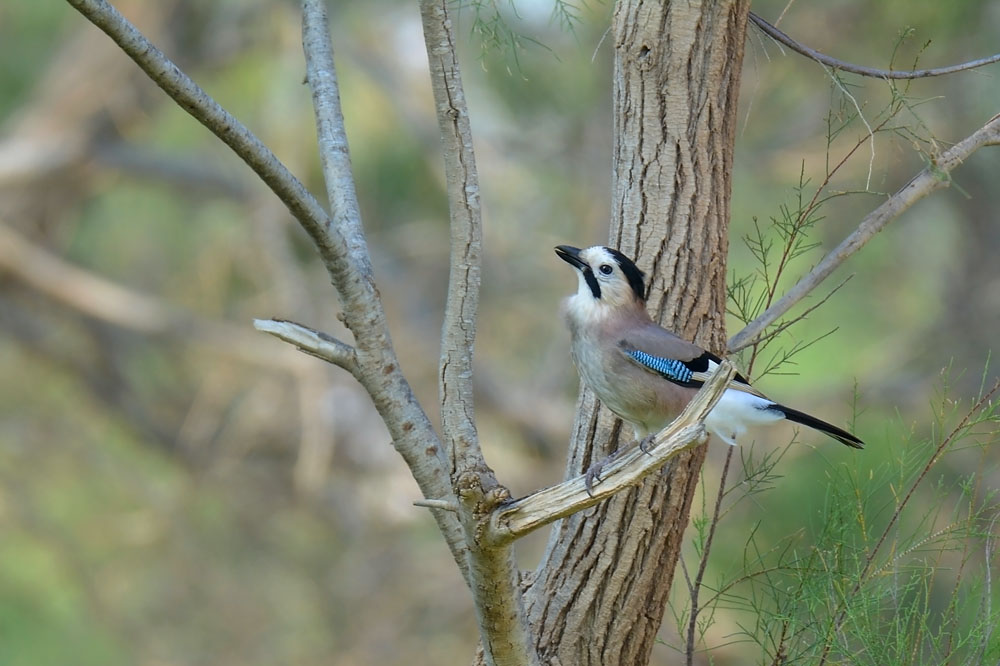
(177, 489)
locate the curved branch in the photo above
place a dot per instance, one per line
(935, 176)
(811, 53)
(520, 517)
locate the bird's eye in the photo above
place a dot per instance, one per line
(606, 269)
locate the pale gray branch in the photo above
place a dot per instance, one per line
(935, 176)
(459, 330)
(527, 514)
(495, 579)
(311, 341)
(340, 241)
(444, 505)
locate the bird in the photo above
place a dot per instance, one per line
(646, 374)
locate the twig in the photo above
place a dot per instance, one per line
(444, 505)
(784, 325)
(311, 341)
(695, 586)
(933, 177)
(813, 54)
(863, 575)
(527, 514)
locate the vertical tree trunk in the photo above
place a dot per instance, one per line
(600, 592)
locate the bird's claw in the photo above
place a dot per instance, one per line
(593, 473)
(645, 443)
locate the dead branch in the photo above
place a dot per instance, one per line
(313, 342)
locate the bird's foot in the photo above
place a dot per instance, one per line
(593, 472)
(646, 443)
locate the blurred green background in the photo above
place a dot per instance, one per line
(178, 489)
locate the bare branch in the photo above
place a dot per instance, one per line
(514, 520)
(494, 576)
(340, 241)
(935, 176)
(779, 36)
(379, 372)
(459, 330)
(444, 505)
(313, 342)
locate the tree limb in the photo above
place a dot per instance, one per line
(935, 176)
(779, 36)
(520, 517)
(379, 372)
(494, 576)
(339, 240)
(459, 329)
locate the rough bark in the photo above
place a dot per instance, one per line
(600, 592)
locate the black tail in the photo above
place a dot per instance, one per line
(842, 436)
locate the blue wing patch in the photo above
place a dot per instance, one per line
(672, 369)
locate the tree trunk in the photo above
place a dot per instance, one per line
(600, 592)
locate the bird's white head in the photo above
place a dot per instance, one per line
(608, 281)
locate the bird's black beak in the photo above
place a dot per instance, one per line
(571, 255)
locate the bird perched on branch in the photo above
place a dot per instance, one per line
(644, 373)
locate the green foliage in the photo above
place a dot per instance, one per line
(494, 27)
(891, 566)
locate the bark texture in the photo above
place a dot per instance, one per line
(600, 592)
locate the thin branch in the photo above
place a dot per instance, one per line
(494, 576)
(313, 342)
(695, 586)
(339, 240)
(444, 505)
(459, 330)
(412, 433)
(785, 324)
(779, 36)
(527, 514)
(935, 176)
